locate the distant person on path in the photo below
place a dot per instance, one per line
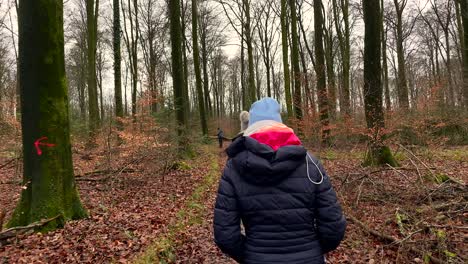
(220, 137)
(280, 192)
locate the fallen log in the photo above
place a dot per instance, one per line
(15, 231)
(391, 240)
(102, 172)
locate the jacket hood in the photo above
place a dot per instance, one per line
(260, 164)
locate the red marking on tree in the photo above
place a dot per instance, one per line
(38, 142)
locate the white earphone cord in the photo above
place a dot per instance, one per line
(308, 175)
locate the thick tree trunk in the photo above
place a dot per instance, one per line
(320, 70)
(91, 12)
(284, 42)
(464, 14)
(47, 169)
(378, 153)
(177, 69)
(196, 65)
(117, 62)
(297, 100)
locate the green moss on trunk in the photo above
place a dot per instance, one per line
(48, 180)
(380, 155)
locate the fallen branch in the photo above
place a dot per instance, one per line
(391, 240)
(449, 226)
(11, 182)
(2, 218)
(103, 172)
(123, 169)
(109, 175)
(8, 163)
(15, 231)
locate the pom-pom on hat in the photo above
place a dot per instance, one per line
(244, 120)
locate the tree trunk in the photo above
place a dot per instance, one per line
(117, 63)
(384, 59)
(330, 71)
(378, 154)
(343, 34)
(297, 100)
(92, 14)
(464, 14)
(248, 37)
(196, 65)
(185, 60)
(245, 106)
(134, 56)
(99, 82)
(284, 42)
(402, 82)
(177, 68)
(320, 70)
(47, 172)
(208, 106)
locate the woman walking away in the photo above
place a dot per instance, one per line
(280, 192)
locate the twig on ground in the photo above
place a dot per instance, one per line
(449, 226)
(421, 180)
(360, 191)
(399, 172)
(407, 237)
(416, 157)
(8, 163)
(102, 172)
(386, 238)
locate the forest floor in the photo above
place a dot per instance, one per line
(143, 208)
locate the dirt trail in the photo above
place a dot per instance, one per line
(198, 246)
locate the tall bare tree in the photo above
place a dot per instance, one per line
(284, 43)
(177, 69)
(378, 154)
(343, 31)
(320, 70)
(464, 14)
(92, 13)
(196, 65)
(117, 60)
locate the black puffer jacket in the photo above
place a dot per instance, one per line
(287, 218)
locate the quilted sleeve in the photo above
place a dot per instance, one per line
(330, 221)
(226, 224)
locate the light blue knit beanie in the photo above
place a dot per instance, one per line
(265, 109)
